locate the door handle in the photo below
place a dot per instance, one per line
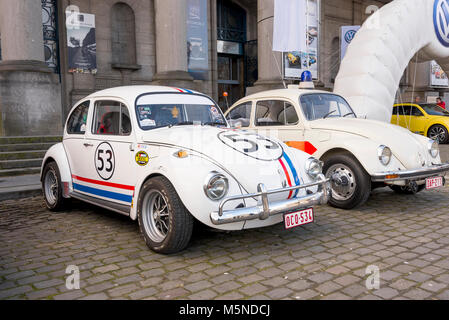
(88, 145)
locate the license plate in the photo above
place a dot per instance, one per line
(433, 183)
(300, 218)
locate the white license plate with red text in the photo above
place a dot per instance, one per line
(433, 183)
(300, 218)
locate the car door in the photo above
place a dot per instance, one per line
(278, 118)
(107, 171)
(418, 121)
(75, 137)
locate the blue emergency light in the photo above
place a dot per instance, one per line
(306, 76)
(306, 80)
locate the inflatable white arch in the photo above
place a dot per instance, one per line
(377, 57)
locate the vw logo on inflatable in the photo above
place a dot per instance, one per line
(441, 21)
(350, 35)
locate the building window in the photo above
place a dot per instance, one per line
(123, 35)
(49, 25)
(231, 22)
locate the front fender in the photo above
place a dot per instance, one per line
(363, 149)
(188, 177)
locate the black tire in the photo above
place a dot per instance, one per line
(443, 136)
(361, 189)
(405, 190)
(178, 219)
(53, 195)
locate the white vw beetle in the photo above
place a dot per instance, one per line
(359, 155)
(165, 156)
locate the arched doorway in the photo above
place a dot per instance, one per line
(231, 39)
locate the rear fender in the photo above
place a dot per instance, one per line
(57, 154)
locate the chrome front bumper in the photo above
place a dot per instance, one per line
(268, 209)
(411, 175)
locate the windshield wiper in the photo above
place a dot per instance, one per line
(214, 124)
(328, 114)
(348, 114)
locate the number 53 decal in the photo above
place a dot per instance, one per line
(105, 161)
(252, 145)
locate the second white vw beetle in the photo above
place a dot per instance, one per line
(166, 156)
(358, 154)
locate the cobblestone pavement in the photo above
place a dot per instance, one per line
(407, 237)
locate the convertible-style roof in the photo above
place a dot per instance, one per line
(130, 93)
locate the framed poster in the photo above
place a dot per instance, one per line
(438, 77)
(197, 39)
(81, 42)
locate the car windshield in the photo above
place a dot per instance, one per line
(324, 105)
(434, 110)
(166, 110)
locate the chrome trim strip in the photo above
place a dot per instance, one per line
(411, 174)
(267, 209)
(119, 208)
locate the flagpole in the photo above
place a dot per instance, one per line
(307, 35)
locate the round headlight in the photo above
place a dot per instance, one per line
(313, 167)
(434, 148)
(384, 154)
(216, 186)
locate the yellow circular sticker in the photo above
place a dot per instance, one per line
(142, 158)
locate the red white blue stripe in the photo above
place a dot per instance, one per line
(290, 173)
(182, 90)
(104, 190)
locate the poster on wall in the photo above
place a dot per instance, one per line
(81, 42)
(197, 39)
(347, 34)
(296, 62)
(438, 77)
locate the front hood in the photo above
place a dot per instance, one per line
(409, 148)
(250, 158)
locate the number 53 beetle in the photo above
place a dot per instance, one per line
(166, 156)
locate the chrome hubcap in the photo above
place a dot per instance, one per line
(155, 214)
(343, 182)
(437, 133)
(51, 187)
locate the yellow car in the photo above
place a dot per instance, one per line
(426, 119)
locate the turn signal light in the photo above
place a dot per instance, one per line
(182, 154)
(392, 176)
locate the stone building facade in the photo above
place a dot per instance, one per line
(146, 42)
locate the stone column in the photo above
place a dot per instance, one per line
(22, 35)
(171, 44)
(269, 62)
(30, 94)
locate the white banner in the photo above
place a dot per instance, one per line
(438, 77)
(347, 34)
(289, 21)
(305, 57)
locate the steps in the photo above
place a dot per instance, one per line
(24, 155)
